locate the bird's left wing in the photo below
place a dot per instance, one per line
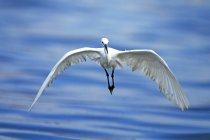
(70, 58)
(152, 65)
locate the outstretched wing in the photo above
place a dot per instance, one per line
(152, 65)
(71, 57)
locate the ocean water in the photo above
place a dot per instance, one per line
(34, 35)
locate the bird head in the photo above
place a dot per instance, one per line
(105, 42)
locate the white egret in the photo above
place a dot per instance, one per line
(146, 61)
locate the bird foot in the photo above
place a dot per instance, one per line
(111, 88)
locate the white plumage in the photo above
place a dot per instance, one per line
(146, 61)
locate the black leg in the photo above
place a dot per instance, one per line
(111, 88)
(113, 78)
(107, 75)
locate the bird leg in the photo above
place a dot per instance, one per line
(109, 87)
(107, 76)
(112, 79)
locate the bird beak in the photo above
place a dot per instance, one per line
(106, 47)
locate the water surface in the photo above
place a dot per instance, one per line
(35, 34)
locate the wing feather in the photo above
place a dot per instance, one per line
(70, 58)
(153, 66)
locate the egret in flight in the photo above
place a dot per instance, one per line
(146, 61)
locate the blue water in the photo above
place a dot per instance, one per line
(35, 34)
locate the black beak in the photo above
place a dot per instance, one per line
(106, 47)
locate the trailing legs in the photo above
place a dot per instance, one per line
(111, 88)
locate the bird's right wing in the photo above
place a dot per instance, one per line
(70, 58)
(152, 65)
